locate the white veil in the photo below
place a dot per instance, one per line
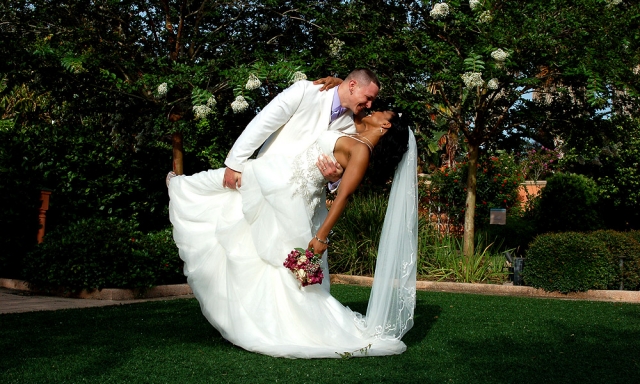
(393, 296)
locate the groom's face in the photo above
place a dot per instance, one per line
(363, 96)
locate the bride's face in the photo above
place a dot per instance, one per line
(380, 118)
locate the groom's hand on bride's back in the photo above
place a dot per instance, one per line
(331, 171)
(232, 179)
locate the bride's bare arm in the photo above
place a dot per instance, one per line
(353, 174)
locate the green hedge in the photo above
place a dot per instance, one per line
(622, 245)
(576, 261)
(568, 262)
(98, 253)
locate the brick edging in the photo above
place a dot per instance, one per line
(108, 293)
(435, 286)
(505, 290)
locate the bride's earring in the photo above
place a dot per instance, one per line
(380, 129)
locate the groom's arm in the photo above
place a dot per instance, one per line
(270, 119)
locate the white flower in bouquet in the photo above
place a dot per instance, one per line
(485, 17)
(439, 11)
(297, 76)
(335, 46)
(162, 89)
(239, 105)
(499, 55)
(472, 79)
(211, 102)
(253, 82)
(474, 4)
(301, 274)
(493, 83)
(201, 111)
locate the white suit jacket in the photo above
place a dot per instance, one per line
(289, 124)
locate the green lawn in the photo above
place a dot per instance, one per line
(457, 338)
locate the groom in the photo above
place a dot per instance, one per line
(298, 116)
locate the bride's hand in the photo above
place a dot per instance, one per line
(318, 247)
(331, 171)
(328, 82)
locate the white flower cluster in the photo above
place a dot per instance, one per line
(297, 76)
(499, 55)
(439, 11)
(239, 105)
(253, 82)
(335, 46)
(201, 111)
(493, 83)
(472, 79)
(474, 4)
(485, 17)
(611, 3)
(212, 102)
(162, 89)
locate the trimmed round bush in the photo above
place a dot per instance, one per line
(568, 262)
(568, 203)
(99, 253)
(621, 245)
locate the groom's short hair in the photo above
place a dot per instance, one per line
(363, 76)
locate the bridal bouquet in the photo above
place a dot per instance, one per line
(305, 266)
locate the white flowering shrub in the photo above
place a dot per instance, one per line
(611, 3)
(485, 17)
(335, 46)
(297, 76)
(239, 105)
(493, 84)
(211, 102)
(253, 82)
(162, 89)
(472, 79)
(499, 55)
(474, 4)
(201, 111)
(439, 11)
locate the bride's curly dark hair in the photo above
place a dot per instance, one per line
(389, 151)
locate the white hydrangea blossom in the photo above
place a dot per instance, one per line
(611, 3)
(499, 55)
(253, 82)
(239, 105)
(162, 89)
(335, 46)
(212, 102)
(297, 76)
(485, 17)
(474, 4)
(201, 111)
(472, 79)
(439, 11)
(493, 83)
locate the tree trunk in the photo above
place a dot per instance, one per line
(470, 207)
(176, 141)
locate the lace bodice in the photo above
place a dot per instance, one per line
(306, 179)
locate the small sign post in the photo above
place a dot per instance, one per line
(498, 216)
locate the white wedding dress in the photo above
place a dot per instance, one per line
(234, 243)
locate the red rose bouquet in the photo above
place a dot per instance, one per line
(305, 266)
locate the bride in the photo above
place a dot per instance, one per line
(234, 243)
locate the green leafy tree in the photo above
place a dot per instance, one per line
(483, 59)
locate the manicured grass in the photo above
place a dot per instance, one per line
(457, 338)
